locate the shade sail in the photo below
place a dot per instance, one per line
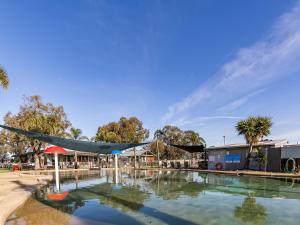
(191, 148)
(84, 146)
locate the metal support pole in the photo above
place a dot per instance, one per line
(75, 160)
(116, 169)
(56, 171)
(157, 149)
(146, 160)
(134, 158)
(266, 159)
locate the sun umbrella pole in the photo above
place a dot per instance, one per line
(56, 171)
(116, 168)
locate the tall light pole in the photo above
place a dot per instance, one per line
(157, 149)
(224, 137)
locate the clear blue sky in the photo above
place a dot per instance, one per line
(200, 65)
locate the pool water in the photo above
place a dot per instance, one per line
(152, 197)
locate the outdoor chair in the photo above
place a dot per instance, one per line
(199, 164)
(172, 165)
(186, 165)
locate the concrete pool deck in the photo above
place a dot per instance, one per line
(233, 172)
(252, 173)
(16, 188)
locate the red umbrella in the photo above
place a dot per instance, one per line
(57, 196)
(56, 150)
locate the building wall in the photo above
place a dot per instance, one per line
(214, 157)
(274, 159)
(290, 151)
(239, 158)
(231, 159)
(235, 159)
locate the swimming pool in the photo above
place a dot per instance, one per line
(165, 197)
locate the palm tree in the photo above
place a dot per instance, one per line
(75, 134)
(254, 129)
(251, 212)
(4, 82)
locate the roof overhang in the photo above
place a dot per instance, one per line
(191, 148)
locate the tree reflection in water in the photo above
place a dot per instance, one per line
(250, 211)
(125, 198)
(172, 186)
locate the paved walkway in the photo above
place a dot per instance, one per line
(15, 189)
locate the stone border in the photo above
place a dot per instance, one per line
(232, 172)
(19, 193)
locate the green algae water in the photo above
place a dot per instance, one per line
(149, 197)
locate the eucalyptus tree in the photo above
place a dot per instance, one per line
(253, 129)
(193, 138)
(126, 130)
(4, 81)
(172, 135)
(34, 115)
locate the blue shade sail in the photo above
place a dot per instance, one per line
(84, 146)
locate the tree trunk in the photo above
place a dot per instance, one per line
(248, 155)
(134, 158)
(42, 161)
(36, 161)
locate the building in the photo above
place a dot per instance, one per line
(233, 156)
(290, 157)
(144, 157)
(66, 160)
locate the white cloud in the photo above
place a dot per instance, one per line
(252, 68)
(237, 103)
(184, 121)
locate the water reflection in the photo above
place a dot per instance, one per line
(125, 197)
(167, 197)
(173, 185)
(251, 212)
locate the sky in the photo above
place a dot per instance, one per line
(200, 65)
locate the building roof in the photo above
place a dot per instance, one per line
(273, 143)
(137, 153)
(80, 153)
(291, 145)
